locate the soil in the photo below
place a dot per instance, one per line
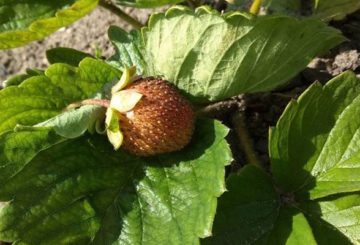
(258, 111)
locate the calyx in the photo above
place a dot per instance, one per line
(122, 102)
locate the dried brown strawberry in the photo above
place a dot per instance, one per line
(147, 117)
(162, 121)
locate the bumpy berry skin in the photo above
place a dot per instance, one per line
(161, 122)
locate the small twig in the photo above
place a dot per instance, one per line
(243, 135)
(255, 6)
(111, 7)
(102, 103)
(285, 96)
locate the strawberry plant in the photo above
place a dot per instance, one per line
(313, 187)
(123, 150)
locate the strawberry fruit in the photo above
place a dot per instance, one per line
(146, 117)
(162, 121)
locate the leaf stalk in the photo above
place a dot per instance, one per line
(255, 7)
(102, 103)
(114, 9)
(243, 136)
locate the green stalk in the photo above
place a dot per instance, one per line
(112, 8)
(98, 102)
(255, 6)
(244, 138)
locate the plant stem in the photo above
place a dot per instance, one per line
(111, 7)
(218, 108)
(243, 135)
(102, 103)
(255, 6)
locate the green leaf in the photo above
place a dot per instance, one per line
(66, 55)
(82, 192)
(291, 228)
(248, 211)
(30, 20)
(314, 148)
(335, 9)
(34, 72)
(128, 49)
(39, 98)
(18, 79)
(251, 213)
(15, 80)
(314, 152)
(146, 3)
(74, 123)
(335, 220)
(18, 148)
(290, 7)
(212, 57)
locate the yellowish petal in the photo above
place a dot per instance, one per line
(125, 100)
(124, 80)
(113, 132)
